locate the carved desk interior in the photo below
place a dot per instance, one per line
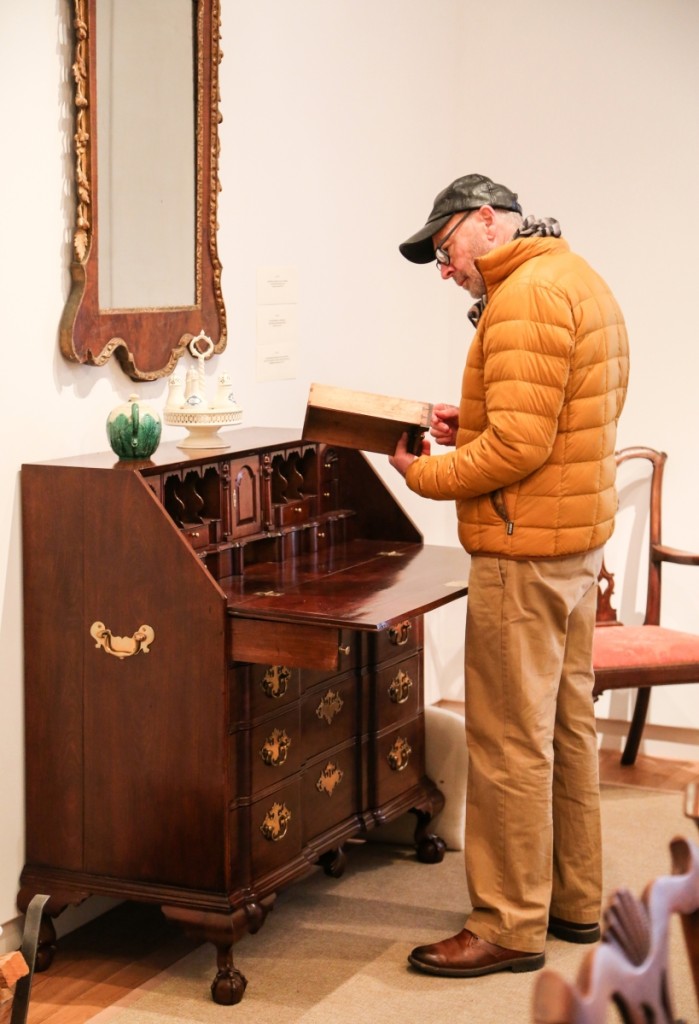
(223, 664)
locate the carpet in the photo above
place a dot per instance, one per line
(334, 950)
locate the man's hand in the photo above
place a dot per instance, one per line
(402, 458)
(444, 423)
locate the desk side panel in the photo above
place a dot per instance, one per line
(156, 721)
(53, 582)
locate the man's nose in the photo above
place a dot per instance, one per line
(446, 271)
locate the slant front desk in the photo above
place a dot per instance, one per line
(223, 677)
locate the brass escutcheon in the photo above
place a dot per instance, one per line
(330, 777)
(122, 646)
(399, 634)
(275, 748)
(330, 705)
(399, 690)
(276, 823)
(276, 681)
(399, 755)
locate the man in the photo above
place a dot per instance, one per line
(533, 477)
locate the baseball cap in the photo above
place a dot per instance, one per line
(467, 193)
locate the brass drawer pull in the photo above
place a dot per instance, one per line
(275, 748)
(122, 646)
(330, 777)
(398, 635)
(276, 823)
(401, 685)
(275, 681)
(344, 650)
(330, 705)
(399, 755)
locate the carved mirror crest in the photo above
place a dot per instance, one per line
(145, 272)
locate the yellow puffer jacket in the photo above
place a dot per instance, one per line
(533, 471)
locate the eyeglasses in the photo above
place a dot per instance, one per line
(443, 258)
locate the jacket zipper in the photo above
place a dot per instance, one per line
(498, 503)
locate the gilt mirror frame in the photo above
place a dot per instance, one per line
(147, 342)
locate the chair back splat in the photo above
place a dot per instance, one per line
(644, 655)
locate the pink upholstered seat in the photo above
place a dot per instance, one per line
(647, 655)
(643, 648)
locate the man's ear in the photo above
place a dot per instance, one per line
(486, 215)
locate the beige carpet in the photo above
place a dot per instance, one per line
(334, 951)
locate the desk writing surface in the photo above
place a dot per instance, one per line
(365, 585)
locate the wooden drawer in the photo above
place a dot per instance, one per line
(396, 692)
(329, 790)
(202, 534)
(276, 750)
(296, 644)
(398, 761)
(257, 690)
(329, 714)
(298, 510)
(394, 642)
(276, 824)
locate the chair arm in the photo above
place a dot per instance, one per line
(662, 553)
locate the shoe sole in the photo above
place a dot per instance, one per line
(581, 936)
(517, 966)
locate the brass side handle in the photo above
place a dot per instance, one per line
(275, 749)
(399, 690)
(276, 681)
(399, 755)
(122, 646)
(399, 635)
(276, 822)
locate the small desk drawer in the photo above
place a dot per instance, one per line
(329, 791)
(399, 761)
(329, 714)
(276, 825)
(257, 690)
(395, 641)
(201, 535)
(276, 750)
(295, 644)
(396, 692)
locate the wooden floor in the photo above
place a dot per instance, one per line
(103, 961)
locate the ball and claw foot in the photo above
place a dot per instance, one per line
(228, 987)
(431, 850)
(333, 862)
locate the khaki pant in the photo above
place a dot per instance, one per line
(533, 842)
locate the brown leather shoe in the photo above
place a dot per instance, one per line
(466, 956)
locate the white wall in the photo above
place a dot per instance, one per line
(341, 122)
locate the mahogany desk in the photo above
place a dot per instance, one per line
(224, 669)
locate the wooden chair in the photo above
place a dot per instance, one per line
(631, 965)
(647, 655)
(17, 969)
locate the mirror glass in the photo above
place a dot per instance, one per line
(145, 272)
(146, 152)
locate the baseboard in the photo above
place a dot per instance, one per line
(71, 918)
(11, 935)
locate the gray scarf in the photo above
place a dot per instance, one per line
(530, 227)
